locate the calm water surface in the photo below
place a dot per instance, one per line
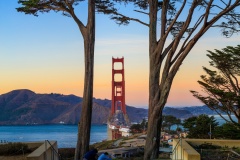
(66, 135)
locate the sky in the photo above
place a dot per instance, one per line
(45, 54)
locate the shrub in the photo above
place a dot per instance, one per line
(66, 153)
(14, 149)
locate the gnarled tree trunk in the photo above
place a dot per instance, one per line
(84, 125)
(157, 100)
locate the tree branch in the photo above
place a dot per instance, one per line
(81, 26)
(177, 39)
(132, 19)
(200, 33)
(207, 12)
(186, 40)
(176, 17)
(141, 12)
(164, 35)
(164, 17)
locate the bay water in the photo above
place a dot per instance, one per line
(65, 135)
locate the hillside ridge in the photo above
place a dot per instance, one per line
(23, 107)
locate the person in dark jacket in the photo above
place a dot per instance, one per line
(91, 155)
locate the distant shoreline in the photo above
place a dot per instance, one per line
(65, 135)
(96, 124)
(39, 124)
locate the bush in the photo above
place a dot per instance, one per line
(14, 149)
(237, 149)
(66, 153)
(207, 146)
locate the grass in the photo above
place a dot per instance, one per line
(11, 149)
(103, 145)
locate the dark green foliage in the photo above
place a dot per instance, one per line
(144, 124)
(221, 86)
(138, 128)
(178, 129)
(35, 6)
(227, 131)
(169, 120)
(111, 7)
(209, 151)
(10, 149)
(237, 149)
(199, 127)
(207, 146)
(66, 153)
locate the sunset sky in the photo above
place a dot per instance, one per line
(45, 54)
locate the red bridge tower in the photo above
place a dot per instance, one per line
(118, 88)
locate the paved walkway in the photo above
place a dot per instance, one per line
(134, 143)
(129, 147)
(120, 152)
(163, 149)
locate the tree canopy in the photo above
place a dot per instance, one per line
(221, 86)
(227, 131)
(140, 127)
(199, 127)
(169, 120)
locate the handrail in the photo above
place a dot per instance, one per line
(175, 148)
(53, 149)
(176, 145)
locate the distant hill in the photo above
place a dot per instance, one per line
(197, 110)
(22, 107)
(177, 112)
